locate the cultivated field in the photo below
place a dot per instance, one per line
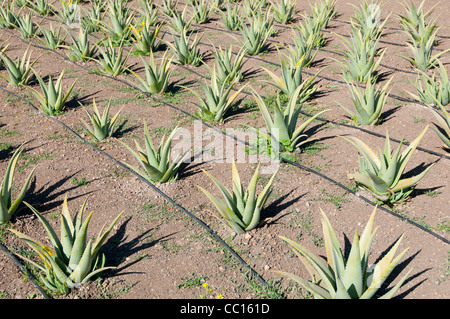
(171, 241)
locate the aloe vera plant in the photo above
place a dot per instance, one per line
(382, 174)
(229, 70)
(362, 58)
(113, 63)
(52, 38)
(342, 277)
(42, 7)
(311, 31)
(443, 119)
(52, 100)
(26, 26)
(302, 51)
(179, 21)
(81, 48)
(102, 126)
(201, 11)
(118, 28)
(282, 126)
(367, 18)
(9, 207)
(146, 40)
(292, 79)
(240, 209)
(92, 19)
(432, 88)
(230, 18)
(19, 72)
(8, 17)
(415, 20)
(368, 105)
(156, 79)
(284, 11)
(255, 37)
(168, 7)
(185, 50)
(155, 163)
(149, 13)
(323, 11)
(74, 259)
(422, 52)
(217, 101)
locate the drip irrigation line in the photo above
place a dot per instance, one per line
(24, 270)
(246, 143)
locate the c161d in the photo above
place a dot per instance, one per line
(246, 308)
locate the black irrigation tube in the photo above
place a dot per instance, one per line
(23, 269)
(298, 165)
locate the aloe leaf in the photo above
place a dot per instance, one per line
(79, 244)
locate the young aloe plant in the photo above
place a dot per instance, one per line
(156, 162)
(369, 105)
(8, 207)
(201, 11)
(118, 28)
(52, 99)
(432, 88)
(255, 37)
(146, 40)
(26, 26)
(229, 70)
(282, 127)
(179, 21)
(81, 48)
(323, 11)
(231, 19)
(302, 50)
(217, 101)
(342, 277)
(8, 18)
(185, 51)
(168, 7)
(382, 174)
(101, 126)
(415, 20)
(422, 51)
(311, 31)
(284, 11)
(42, 7)
(292, 78)
(367, 18)
(240, 209)
(75, 258)
(52, 37)
(113, 63)
(92, 19)
(19, 72)
(157, 80)
(149, 13)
